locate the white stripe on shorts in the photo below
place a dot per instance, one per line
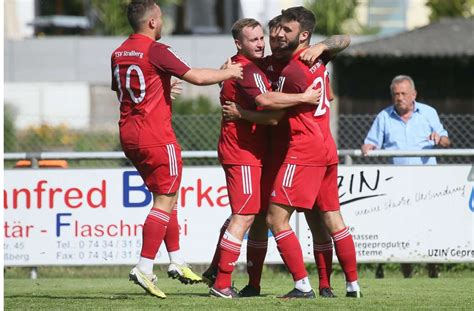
(172, 160)
(246, 179)
(288, 177)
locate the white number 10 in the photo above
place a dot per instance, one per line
(141, 80)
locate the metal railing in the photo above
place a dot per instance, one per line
(348, 154)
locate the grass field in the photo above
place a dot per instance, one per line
(88, 289)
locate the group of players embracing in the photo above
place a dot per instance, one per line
(275, 147)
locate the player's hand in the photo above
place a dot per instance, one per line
(176, 88)
(366, 148)
(231, 111)
(235, 69)
(311, 54)
(312, 96)
(434, 137)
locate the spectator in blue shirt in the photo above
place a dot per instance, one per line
(406, 125)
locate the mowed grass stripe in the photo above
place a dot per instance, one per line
(119, 294)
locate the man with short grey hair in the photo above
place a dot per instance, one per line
(406, 125)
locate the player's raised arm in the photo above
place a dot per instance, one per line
(205, 76)
(327, 49)
(278, 100)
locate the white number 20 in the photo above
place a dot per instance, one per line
(141, 80)
(323, 101)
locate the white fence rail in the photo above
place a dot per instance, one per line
(213, 154)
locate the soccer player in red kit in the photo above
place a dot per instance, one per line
(141, 72)
(242, 145)
(307, 180)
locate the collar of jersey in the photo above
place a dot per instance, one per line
(140, 36)
(297, 55)
(241, 59)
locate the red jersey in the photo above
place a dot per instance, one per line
(278, 134)
(311, 141)
(240, 141)
(141, 73)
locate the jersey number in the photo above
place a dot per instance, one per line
(323, 101)
(141, 80)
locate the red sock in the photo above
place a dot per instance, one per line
(346, 254)
(215, 259)
(229, 253)
(172, 232)
(323, 258)
(154, 230)
(256, 251)
(291, 253)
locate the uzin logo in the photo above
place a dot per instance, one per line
(470, 178)
(471, 200)
(361, 185)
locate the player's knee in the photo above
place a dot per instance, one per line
(273, 223)
(333, 221)
(241, 222)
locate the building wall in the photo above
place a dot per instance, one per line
(50, 79)
(363, 83)
(393, 16)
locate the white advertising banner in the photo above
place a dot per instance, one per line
(95, 216)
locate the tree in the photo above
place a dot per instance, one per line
(9, 131)
(111, 16)
(193, 106)
(452, 8)
(331, 14)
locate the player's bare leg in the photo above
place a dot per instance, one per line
(256, 250)
(345, 250)
(322, 250)
(154, 230)
(229, 253)
(278, 220)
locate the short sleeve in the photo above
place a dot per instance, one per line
(166, 60)
(293, 79)
(376, 132)
(435, 123)
(254, 82)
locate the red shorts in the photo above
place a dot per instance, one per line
(243, 187)
(304, 187)
(160, 167)
(271, 166)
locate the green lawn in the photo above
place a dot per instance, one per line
(80, 290)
